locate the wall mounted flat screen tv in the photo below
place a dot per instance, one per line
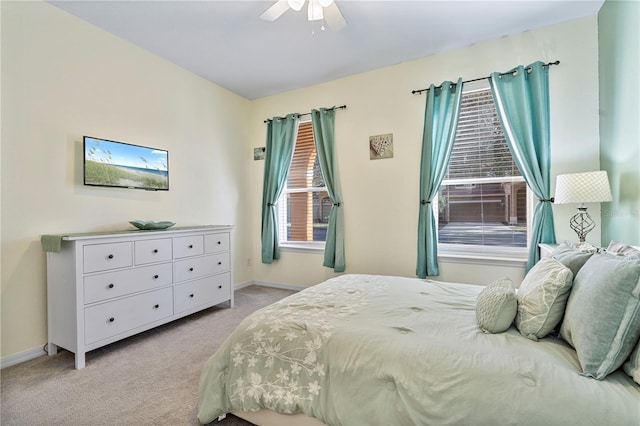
(123, 165)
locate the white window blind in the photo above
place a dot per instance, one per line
(483, 197)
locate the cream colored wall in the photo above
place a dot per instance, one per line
(63, 78)
(380, 196)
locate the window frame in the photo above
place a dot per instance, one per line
(501, 255)
(281, 206)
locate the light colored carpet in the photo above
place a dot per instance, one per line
(147, 379)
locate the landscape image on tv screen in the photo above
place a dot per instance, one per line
(109, 163)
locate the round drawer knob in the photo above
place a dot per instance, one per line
(190, 246)
(112, 319)
(155, 277)
(191, 296)
(190, 269)
(219, 263)
(156, 306)
(219, 242)
(110, 256)
(155, 250)
(219, 286)
(111, 286)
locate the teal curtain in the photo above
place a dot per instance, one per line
(281, 138)
(522, 100)
(323, 121)
(440, 123)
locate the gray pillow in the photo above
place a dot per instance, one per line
(571, 257)
(602, 318)
(542, 298)
(496, 306)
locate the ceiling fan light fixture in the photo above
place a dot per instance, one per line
(325, 11)
(315, 11)
(296, 4)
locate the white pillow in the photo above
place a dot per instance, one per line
(542, 297)
(496, 306)
(622, 249)
(632, 366)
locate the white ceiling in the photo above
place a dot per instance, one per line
(226, 42)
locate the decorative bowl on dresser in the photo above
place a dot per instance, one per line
(105, 286)
(149, 225)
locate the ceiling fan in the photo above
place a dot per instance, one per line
(317, 10)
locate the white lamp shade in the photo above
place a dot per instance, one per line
(589, 187)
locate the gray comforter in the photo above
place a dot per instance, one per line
(369, 350)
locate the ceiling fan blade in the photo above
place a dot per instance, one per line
(334, 18)
(275, 11)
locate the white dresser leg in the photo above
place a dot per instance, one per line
(79, 360)
(52, 348)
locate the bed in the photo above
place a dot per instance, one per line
(368, 349)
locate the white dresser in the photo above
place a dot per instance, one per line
(103, 287)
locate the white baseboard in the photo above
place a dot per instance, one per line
(293, 287)
(27, 355)
(238, 286)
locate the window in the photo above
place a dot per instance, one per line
(483, 200)
(304, 205)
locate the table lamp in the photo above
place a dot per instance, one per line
(580, 188)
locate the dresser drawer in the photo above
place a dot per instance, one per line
(112, 318)
(205, 291)
(113, 284)
(215, 243)
(189, 269)
(150, 251)
(188, 246)
(102, 257)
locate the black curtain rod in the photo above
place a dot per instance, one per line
(306, 113)
(484, 78)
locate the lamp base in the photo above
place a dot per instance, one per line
(582, 223)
